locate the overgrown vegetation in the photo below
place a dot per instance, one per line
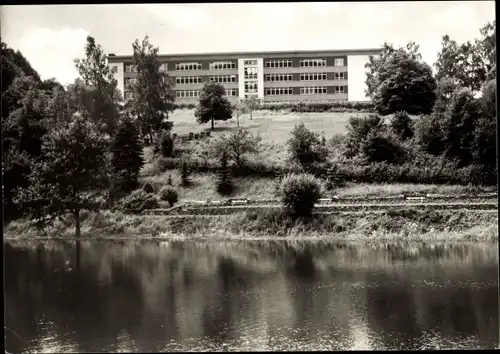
(68, 150)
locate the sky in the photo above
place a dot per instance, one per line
(52, 36)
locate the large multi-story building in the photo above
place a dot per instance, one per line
(270, 76)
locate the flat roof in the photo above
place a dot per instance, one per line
(368, 51)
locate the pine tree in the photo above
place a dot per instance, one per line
(169, 181)
(127, 158)
(224, 183)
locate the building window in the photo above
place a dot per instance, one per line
(187, 93)
(219, 65)
(230, 92)
(114, 69)
(313, 62)
(339, 89)
(130, 82)
(340, 76)
(313, 90)
(250, 95)
(188, 80)
(250, 86)
(278, 77)
(278, 91)
(130, 68)
(339, 62)
(279, 63)
(250, 73)
(250, 62)
(312, 76)
(223, 79)
(129, 95)
(187, 66)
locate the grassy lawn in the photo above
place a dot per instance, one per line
(271, 126)
(274, 128)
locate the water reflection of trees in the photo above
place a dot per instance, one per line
(287, 292)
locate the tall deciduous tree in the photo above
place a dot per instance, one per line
(375, 62)
(461, 63)
(239, 108)
(469, 64)
(484, 147)
(404, 84)
(213, 104)
(460, 118)
(71, 175)
(22, 132)
(104, 96)
(251, 104)
(487, 46)
(153, 92)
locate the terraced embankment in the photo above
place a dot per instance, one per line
(485, 202)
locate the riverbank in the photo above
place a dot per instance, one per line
(409, 224)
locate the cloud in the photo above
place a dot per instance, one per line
(52, 52)
(190, 16)
(430, 50)
(273, 14)
(370, 16)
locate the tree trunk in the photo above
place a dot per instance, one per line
(212, 123)
(251, 115)
(77, 263)
(150, 137)
(77, 223)
(238, 119)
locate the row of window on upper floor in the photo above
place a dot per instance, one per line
(197, 93)
(221, 65)
(249, 75)
(185, 93)
(317, 90)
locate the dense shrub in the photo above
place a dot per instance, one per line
(332, 106)
(335, 178)
(148, 188)
(138, 201)
(299, 193)
(382, 146)
(402, 125)
(236, 146)
(169, 194)
(358, 129)
(429, 134)
(185, 106)
(305, 147)
(120, 185)
(165, 144)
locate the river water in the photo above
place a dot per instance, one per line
(109, 296)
